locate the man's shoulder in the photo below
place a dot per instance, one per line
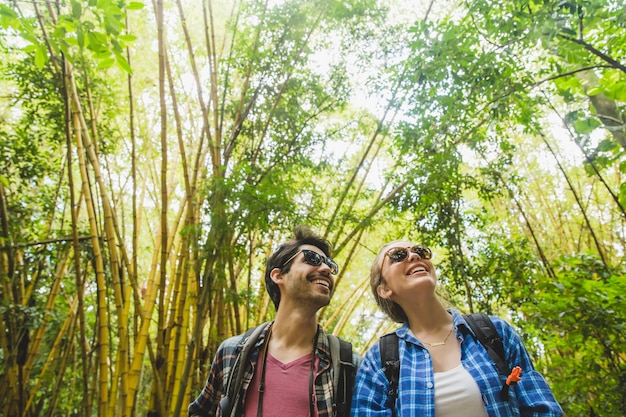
(230, 344)
(356, 358)
(234, 343)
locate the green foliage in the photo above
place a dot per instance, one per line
(30, 148)
(95, 27)
(581, 318)
(8, 17)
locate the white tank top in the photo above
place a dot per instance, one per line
(456, 393)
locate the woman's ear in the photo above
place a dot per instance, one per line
(276, 275)
(384, 291)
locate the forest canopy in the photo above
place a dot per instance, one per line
(152, 156)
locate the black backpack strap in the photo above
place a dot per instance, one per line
(343, 376)
(237, 370)
(489, 337)
(389, 358)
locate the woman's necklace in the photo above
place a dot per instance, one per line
(440, 343)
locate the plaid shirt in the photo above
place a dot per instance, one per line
(207, 403)
(529, 397)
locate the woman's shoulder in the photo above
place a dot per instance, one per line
(506, 330)
(502, 326)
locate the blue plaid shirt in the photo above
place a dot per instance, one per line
(529, 397)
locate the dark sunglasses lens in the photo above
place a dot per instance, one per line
(422, 251)
(315, 259)
(398, 255)
(334, 268)
(312, 258)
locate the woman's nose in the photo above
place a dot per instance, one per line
(413, 255)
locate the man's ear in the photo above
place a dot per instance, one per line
(276, 275)
(384, 291)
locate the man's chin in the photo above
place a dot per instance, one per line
(323, 301)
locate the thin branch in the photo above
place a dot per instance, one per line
(567, 74)
(596, 52)
(43, 242)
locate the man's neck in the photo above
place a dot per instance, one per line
(292, 336)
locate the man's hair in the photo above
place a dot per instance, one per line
(302, 236)
(391, 308)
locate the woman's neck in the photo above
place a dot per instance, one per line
(428, 317)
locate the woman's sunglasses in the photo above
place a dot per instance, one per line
(315, 259)
(400, 254)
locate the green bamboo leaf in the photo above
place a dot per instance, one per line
(113, 23)
(606, 145)
(585, 126)
(135, 5)
(59, 32)
(6, 21)
(30, 38)
(77, 9)
(73, 41)
(619, 93)
(8, 18)
(65, 47)
(123, 63)
(594, 90)
(106, 63)
(41, 56)
(622, 189)
(80, 37)
(7, 11)
(128, 38)
(68, 24)
(30, 48)
(97, 42)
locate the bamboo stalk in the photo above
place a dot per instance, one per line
(63, 337)
(214, 144)
(102, 331)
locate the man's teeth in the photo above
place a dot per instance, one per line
(321, 282)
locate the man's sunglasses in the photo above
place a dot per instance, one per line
(315, 259)
(400, 254)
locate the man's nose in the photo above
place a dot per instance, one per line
(324, 266)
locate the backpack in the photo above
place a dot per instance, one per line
(341, 361)
(486, 333)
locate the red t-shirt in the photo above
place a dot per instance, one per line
(286, 388)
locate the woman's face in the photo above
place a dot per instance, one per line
(405, 267)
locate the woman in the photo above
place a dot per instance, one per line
(444, 370)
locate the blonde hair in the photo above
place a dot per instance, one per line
(389, 307)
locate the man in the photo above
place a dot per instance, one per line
(290, 373)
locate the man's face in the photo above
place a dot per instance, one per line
(307, 282)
